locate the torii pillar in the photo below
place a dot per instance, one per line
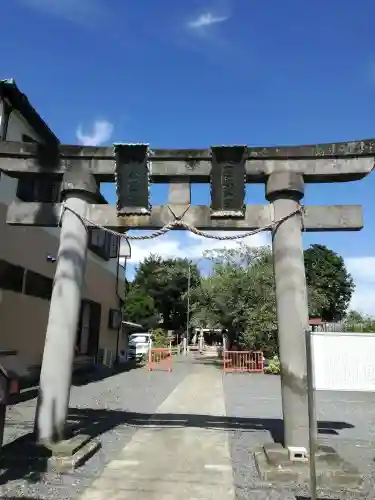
(285, 190)
(79, 189)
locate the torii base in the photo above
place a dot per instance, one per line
(63, 457)
(333, 473)
(70, 454)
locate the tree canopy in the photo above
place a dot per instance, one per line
(237, 295)
(358, 322)
(165, 282)
(327, 274)
(140, 307)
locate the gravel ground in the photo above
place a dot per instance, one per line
(104, 402)
(247, 396)
(258, 396)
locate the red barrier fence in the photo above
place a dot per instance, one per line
(160, 358)
(243, 362)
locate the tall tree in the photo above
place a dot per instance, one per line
(326, 272)
(358, 322)
(140, 307)
(353, 317)
(239, 296)
(166, 281)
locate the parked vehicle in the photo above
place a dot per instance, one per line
(139, 345)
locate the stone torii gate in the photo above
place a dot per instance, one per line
(284, 171)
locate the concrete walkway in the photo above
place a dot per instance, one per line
(167, 459)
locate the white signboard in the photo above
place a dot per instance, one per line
(343, 361)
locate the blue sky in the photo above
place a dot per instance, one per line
(196, 73)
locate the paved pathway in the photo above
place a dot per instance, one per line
(179, 461)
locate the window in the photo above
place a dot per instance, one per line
(11, 276)
(103, 244)
(44, 190)
(97, 242)
(114, 319)
(95, 321)
(97, 237)
(113, 243)
(27, 138)
(38, 285)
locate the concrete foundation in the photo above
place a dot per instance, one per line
(70, 454)
(332, 472)
(62, 457)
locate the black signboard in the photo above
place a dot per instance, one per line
(132, 179)
(228, 181)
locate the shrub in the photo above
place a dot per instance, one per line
(160, 338)
(274, 366)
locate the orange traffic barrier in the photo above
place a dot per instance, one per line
(243, 362)
(160, 358)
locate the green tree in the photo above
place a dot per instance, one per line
(139, 307)
(239, 296)
(358, 322)
(327, 274)
(354, 317)
(166, 281)
(160, 338)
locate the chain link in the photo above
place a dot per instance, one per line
(179, 224)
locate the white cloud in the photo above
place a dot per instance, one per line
(185, 244)
(74, 11)
(101, 132)
(363, 271)
(206, 19)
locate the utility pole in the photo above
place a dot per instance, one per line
(188, 303)
(188, 312)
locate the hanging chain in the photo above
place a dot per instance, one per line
(179, 224)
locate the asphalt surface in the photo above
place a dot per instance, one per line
(346, 422)
(110, 402)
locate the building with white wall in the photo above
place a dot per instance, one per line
(26, 271)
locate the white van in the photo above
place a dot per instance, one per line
(139, 345)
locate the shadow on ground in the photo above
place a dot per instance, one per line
(217, 363)
(23, 498)
(103, 373)
(318, 498)
(24, 459)
(79, 379)
(96, 422)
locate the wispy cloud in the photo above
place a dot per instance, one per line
(184, 244)
(204, 30)
(206, 19)
(82, 12)
(101, 132)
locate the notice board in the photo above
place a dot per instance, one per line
(343, 361)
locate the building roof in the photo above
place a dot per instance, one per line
(19, 102)
(131, 325)
(315, 321)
